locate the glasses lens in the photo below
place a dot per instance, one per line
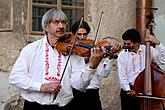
(84, 34)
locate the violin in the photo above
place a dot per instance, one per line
(81, 47)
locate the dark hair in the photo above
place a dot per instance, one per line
(133, 35)
(83, 25)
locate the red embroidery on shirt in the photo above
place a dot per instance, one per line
(133, 61)
(59, 65)
(56, 76)
(49, 78)
(47, 60)
(140, 58)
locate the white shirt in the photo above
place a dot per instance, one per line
(102, 71)
(130, 64)
(28, 72)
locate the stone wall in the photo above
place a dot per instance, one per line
(12, 40)
(118, 16)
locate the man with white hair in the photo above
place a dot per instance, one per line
(39, 68)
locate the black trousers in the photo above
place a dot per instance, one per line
(35, 106)
(88, 100)
(127, 102)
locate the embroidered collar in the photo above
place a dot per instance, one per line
(52, 64)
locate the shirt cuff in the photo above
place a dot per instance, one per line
(160, 46)
(88, 73)
(88, 70)
(36, 86)
(108, 61)
(126, 88)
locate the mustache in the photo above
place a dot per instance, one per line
(126, 47)
(60, 30)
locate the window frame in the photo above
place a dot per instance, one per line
(10, 27)
(58, 5)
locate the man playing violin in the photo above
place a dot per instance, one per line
(39, 68)
(89, 99)
(83, 31)
(131, 62)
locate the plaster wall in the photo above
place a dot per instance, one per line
(118, 16)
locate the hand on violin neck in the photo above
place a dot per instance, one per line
(112, 53)
(116, 47)
(95, 57)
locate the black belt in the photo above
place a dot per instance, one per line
(92, 90)
(87, 90)
(36, 106)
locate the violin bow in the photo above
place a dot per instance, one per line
(70, 52)
(98, 27)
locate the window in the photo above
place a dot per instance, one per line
(74, 9)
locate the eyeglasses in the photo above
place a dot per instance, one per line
(79, 34)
